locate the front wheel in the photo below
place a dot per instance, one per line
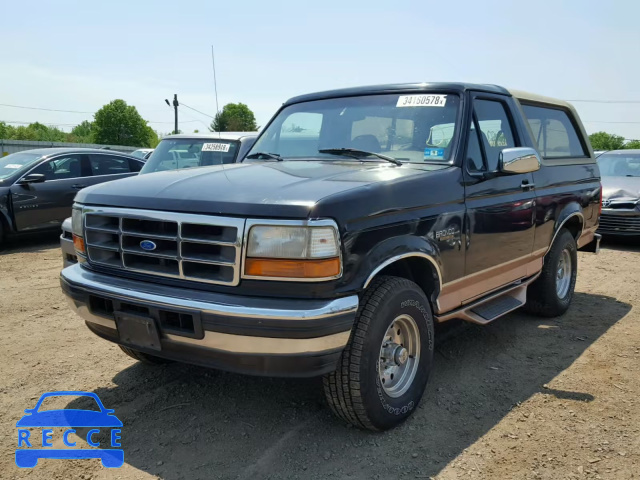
(384, 368)
(550, 295)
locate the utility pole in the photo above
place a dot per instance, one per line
(175, 108)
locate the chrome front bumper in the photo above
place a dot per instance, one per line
(265, 336)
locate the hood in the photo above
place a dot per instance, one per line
(275, 189)
(621, 188)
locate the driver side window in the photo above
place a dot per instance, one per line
(60, 168)
(496, 132)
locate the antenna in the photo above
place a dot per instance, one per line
(215, 83)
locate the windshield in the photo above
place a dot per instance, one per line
(410, 128)
(172, 154)
(619, 164)
(17, 162)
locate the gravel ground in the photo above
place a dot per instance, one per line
(523, 398)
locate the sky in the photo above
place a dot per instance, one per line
(70, 55)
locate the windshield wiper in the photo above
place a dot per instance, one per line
(355, 153)
(274, 156)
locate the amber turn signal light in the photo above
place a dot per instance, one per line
(270, 267)
(78, 243)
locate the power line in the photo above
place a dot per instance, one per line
(69, 111)
(191, 108)
(188, 121)
(44, 109)
(42, 123)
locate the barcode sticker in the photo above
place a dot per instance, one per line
(216, 147)
(421, 101)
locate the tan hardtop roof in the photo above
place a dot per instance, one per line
(532, 97)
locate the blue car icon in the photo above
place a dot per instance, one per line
(28, 457)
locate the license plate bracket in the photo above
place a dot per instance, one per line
(138, 330)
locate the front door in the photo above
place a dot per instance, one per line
(47, 204)
(500, 207)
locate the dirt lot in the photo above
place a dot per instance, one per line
(521, 398)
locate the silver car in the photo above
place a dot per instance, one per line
(620, 171)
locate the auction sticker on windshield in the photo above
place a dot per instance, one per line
(216, 147)
(421, 101)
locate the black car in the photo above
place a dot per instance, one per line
(37, 187)
(359, 219)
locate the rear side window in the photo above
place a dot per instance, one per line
(554, 132)
(109, 165)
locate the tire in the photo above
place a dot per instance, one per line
(144, 357)
(545, 297)
(355, 391)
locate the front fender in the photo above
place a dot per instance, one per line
(394, 249)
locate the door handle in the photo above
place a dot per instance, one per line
(525, 185)
(78, 186)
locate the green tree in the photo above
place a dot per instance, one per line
(154, 138)
(606, 141)
(7, 131)
(120, 124)
(235, 117)
(82, 133)
(39, 132)
(632, 144)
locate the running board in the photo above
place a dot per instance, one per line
(493, 306)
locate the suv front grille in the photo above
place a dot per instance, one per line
(192, 247)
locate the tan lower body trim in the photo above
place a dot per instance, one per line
(466, 289)
(264, 345)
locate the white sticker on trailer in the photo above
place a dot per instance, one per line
(216, 147)
(421, 101)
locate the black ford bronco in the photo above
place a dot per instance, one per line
(360, 218)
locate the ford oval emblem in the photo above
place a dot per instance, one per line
(148, 245)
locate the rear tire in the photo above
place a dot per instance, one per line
(550, 295)
(144, 357)
(384, 368)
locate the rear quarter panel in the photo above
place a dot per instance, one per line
(562, 191)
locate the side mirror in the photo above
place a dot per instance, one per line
(519, 160)
(32, 178)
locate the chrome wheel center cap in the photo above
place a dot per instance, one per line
(401, 355)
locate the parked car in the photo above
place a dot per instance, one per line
(359, 219)
(142, 153)
(620, 170)
(176, 152)
(37, 187)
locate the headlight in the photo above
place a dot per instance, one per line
(76, 228)
(293, 252)
(76, 221)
